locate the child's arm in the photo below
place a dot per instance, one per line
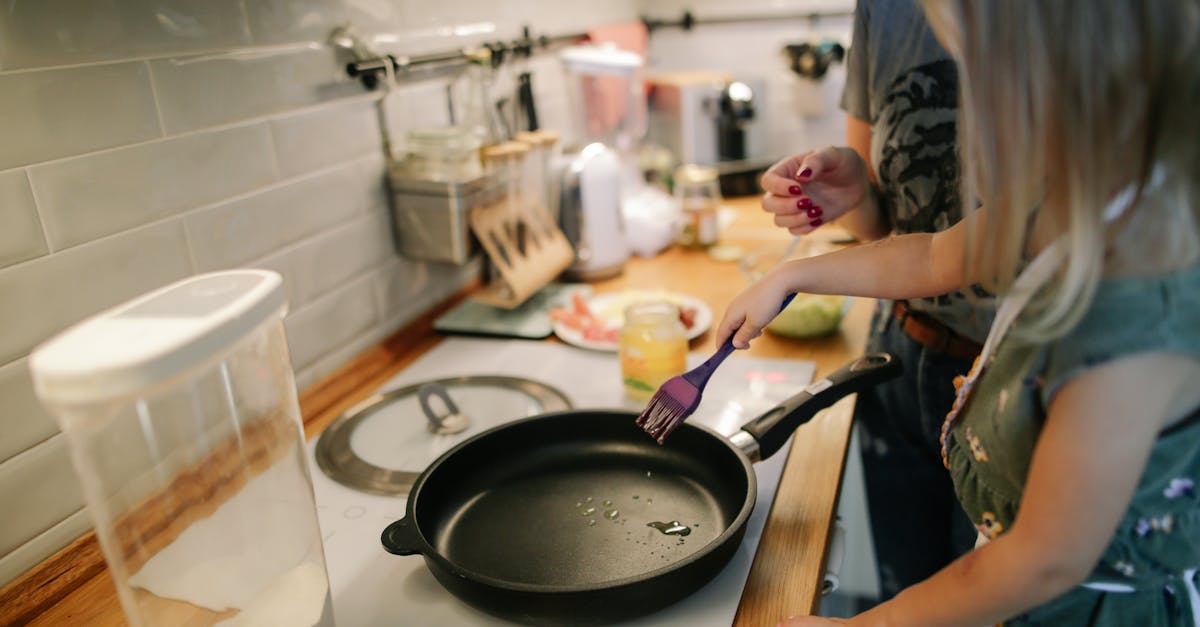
(903, 266)
(1089, 458)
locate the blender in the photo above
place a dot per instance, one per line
(599, 171)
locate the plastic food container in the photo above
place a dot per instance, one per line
(180, 412)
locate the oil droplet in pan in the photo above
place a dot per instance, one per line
(612, 514)
(588, 511)
(673, 528)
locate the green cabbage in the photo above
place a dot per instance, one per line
(809, 316)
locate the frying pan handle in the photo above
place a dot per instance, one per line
(772, 429)
(401, 538)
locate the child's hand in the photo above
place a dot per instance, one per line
(752, 310)
(807, 190)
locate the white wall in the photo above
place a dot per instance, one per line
(144, 142)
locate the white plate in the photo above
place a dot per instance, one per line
(611, 308)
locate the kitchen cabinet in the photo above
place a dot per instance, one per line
(786, 575)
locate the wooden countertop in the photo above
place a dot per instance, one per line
(786, 575)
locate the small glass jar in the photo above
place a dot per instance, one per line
(698, 192)
(443, 154)
(653, 347)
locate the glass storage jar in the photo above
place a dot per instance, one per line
(446, 153)
(698, 192)
(653, 347)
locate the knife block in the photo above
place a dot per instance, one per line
(525, 245)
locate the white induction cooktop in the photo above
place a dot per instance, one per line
(372, 587)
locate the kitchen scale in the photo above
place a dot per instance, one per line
(372, 587)
(529, 320)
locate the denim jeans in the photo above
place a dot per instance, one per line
(917, 524)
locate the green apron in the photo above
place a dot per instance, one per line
(1146, 576)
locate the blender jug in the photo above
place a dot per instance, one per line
(599, 168)
(180, 413)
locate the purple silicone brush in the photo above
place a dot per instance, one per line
(679, 397)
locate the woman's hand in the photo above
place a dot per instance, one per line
(807, 190)
(753, 309)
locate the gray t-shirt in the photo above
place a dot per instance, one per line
(901, 81)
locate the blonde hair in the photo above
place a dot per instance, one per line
(1064, 104)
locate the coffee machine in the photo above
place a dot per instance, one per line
(710, 118)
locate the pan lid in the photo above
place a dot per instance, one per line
(384, 443)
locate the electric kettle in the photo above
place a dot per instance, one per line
(589, 212)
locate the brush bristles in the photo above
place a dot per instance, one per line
(662, 416)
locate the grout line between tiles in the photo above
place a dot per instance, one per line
(162, 126)
(37, 209)
(29, 450)
(186, 54)
(247, 122)
(239, 196)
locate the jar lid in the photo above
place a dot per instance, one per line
(156, 337)
(695, 173)
(504, 150)
(537, 138)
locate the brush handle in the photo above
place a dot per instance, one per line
(700, 375)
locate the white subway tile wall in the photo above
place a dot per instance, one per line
(22, 237)
(62, 112)
(143, 142)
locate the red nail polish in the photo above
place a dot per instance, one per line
(804, 203)
(816, 222)
(814, 212)
(805, 173)
(794, 190)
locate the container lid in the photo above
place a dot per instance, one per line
(441, 140)
(155, 337)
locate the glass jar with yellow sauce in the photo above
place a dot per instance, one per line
(653, 347)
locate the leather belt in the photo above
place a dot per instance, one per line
(934, 335)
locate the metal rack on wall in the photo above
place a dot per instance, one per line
(688, 20)
(370, 69)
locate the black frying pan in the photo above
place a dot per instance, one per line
(519, 520)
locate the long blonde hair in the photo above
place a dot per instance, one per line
(1064, 104)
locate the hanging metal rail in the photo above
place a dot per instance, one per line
(371, 68)
(688, 20)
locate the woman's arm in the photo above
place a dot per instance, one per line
(869, 221)
(903, 266)
(1091, 453)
